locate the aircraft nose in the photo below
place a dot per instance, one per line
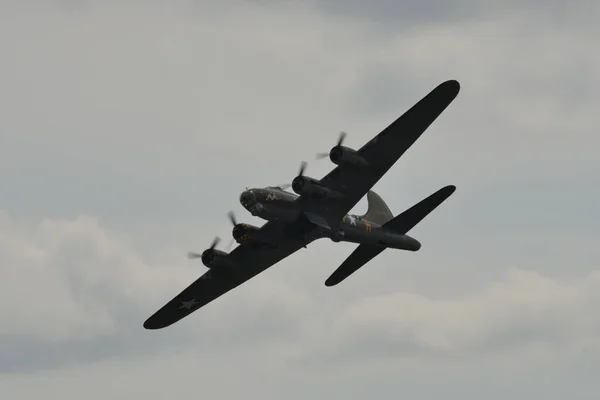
(247, 198)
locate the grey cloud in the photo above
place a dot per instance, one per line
(92, 292)
(112, 290)
(514, 317)
(403, 16)
(136, 131)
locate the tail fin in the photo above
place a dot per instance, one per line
(377, 211)
(404, 222)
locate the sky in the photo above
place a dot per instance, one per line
(128, 130)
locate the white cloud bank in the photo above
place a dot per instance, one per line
(66, 281)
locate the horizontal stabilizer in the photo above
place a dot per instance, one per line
(401, 224)
(359, 257)
(404, 222)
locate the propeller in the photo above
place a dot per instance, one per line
(303, 166)
(192, 255)
(339, 143)
(233, 220)
(231, 216)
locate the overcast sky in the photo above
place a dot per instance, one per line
(129, 128)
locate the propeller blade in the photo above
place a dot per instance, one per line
(192, 255)
(228, 248)
(321, 156)
(302, 168)
(231, 216)
(215, 242)
(342, 137)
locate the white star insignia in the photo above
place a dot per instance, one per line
(352, 219)
(188, 304)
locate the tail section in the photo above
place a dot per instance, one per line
(359, 257)
(408, 219)
(377, 211)
(401, 224)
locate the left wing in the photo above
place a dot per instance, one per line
(248, 262)
(380, 153)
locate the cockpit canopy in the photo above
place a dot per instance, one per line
(279, 188)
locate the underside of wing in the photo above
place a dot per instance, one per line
(246, 261)
(380, 154)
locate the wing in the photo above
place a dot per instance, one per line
(381, 153)
(248, 262)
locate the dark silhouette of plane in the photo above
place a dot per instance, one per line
(319, 209)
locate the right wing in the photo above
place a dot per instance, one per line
(248, 262)
(400, 224)
(380, 153)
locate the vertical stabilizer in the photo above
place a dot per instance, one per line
(377, 211)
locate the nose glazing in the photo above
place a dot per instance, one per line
(247, 198)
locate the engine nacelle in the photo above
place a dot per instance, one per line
(308, 186)
(212, 258)
(344, 155)
(304, 185)
(246, 233)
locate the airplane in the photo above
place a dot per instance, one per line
(319, 209)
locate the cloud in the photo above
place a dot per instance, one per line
(163, 114)
(81, 294)
(74, 291)
(68, 287)
(526, 303)
(522, 321)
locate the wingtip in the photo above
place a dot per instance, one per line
(148, 325)
(450, 87)
(453, 83)
(151, 324)
(446, 191)
(330, 282)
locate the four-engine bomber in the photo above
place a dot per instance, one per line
(320, 208)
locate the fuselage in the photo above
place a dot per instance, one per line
(276, 204)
